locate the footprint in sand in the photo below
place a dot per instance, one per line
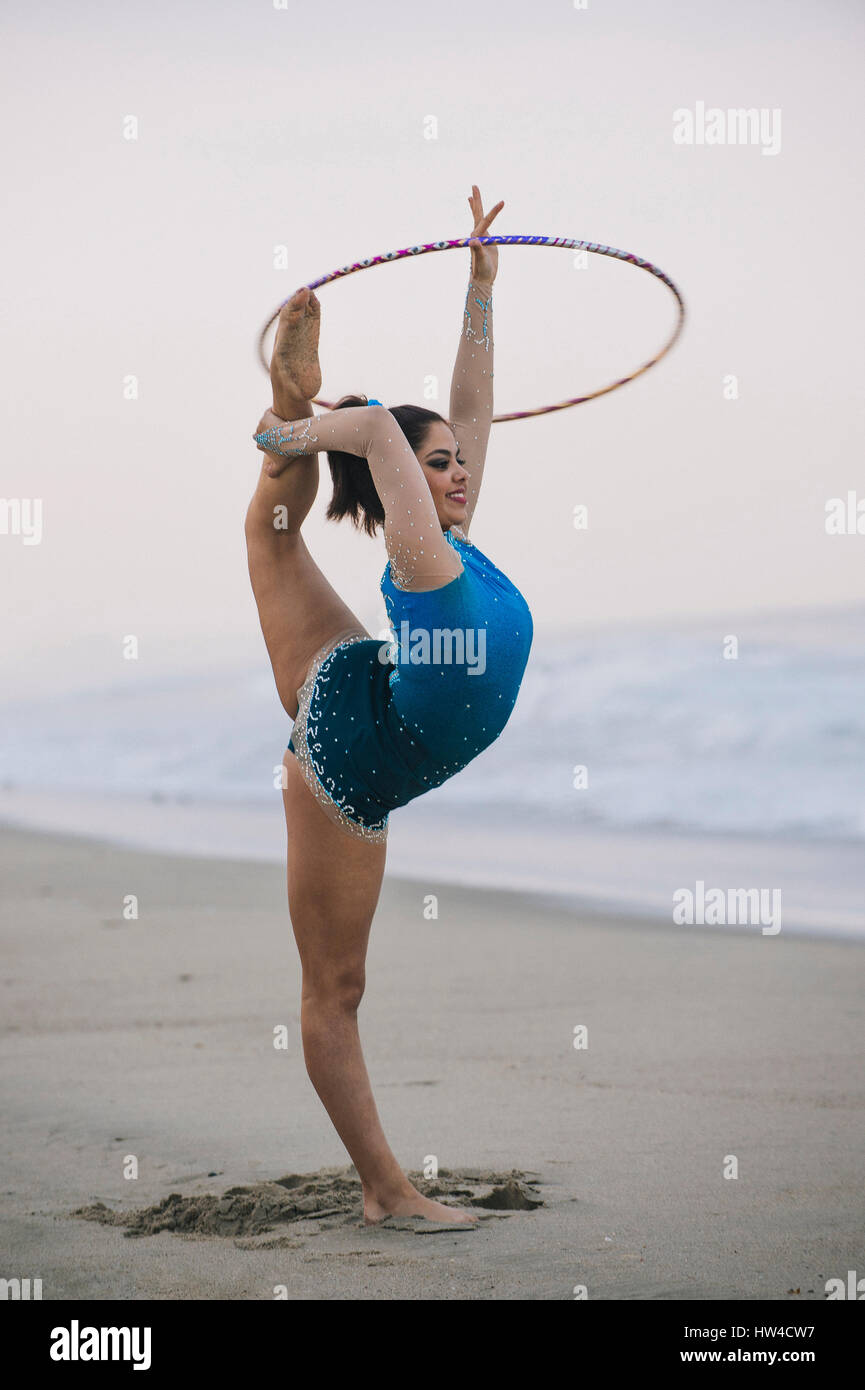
(252, 1211)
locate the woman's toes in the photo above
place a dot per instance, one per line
(293, 310)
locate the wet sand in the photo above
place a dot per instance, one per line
(145, 1044)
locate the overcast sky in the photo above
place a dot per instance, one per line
(306, 128)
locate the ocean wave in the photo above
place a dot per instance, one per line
(670, 734)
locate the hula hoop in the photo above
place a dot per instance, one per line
(567, 244)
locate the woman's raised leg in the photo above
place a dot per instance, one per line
(298, 608)
(334, 881)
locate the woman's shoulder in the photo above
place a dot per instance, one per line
(392, 581)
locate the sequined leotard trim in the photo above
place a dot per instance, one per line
(305, 746)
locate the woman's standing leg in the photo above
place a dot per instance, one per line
(334, 881)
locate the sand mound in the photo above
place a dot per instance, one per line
(249, 1211)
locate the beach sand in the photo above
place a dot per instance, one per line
(153, 1038)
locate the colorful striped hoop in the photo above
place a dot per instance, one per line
(568, 244)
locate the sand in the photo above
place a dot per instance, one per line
(145, 1045)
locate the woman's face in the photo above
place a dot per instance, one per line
(446, 474)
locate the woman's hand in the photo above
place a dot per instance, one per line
(268, 421)
(274, 464)
(485, 259)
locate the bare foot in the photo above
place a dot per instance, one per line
(412, 1203)
(294, 368)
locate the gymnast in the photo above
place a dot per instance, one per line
(375, 725)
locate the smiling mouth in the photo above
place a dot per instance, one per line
(455, 496)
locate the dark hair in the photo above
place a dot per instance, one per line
(354, 492)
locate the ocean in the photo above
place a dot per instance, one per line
(621, 737)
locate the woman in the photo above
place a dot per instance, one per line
(375, 726)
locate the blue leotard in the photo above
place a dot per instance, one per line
(380, 724)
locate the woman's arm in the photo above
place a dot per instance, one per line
(471, 398)
(416, 545)
(471, 395)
